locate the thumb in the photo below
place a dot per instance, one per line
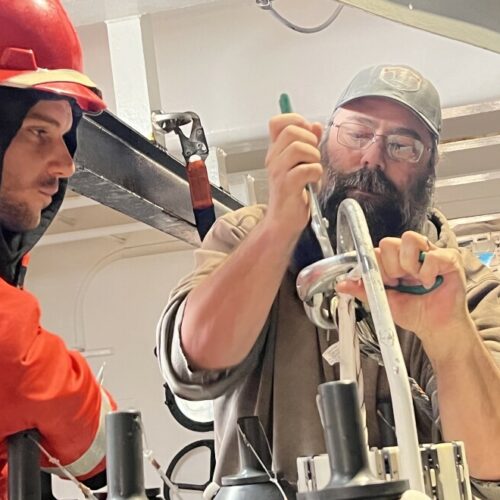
(317, 130)
(352, 287)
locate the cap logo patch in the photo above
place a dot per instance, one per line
(401, 78)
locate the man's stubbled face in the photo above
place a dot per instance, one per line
(34, 163)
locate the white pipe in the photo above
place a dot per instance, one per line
(351, 217)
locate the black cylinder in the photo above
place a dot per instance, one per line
(387, 425)
(124, 457)
(351, 477)
(24, 466)
(252, 482)
(343, 429)
(250, 436)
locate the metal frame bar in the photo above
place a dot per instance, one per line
(123, 170)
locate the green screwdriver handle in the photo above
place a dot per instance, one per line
(285, 104)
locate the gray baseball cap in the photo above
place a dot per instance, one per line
(401, 84)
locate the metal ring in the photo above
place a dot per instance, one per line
(321, 276)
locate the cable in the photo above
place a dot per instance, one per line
(148, 454)
(268, 5)
(126, 252)
(272, 476)
(84, 489)
(350, 357)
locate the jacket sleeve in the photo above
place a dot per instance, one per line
(224, 237)
(49, 388)
(483, 302)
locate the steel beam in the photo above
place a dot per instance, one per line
(121, 169)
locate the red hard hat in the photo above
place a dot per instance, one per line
(39, 49)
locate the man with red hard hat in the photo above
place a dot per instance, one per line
(43, 95)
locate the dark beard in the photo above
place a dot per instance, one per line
(388, 211)
(17, 217)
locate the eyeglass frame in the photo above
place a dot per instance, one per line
(373, 140)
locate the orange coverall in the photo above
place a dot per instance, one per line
(47, 387)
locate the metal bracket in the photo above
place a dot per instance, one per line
(195, 144)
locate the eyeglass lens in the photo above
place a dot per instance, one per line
(398, 147)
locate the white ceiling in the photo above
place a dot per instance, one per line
(84, 12)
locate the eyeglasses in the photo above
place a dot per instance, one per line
(399, 147)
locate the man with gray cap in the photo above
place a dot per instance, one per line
(235, 331)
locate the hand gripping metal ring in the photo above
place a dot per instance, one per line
(353, 234)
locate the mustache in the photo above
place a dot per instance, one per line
(364, 179)
(389, 213)
(50, 183)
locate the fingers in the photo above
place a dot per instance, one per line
(440, 263)
(294, 144)
(279, 122)
(293, 157)
(304, 174)
(411, 245)
(390, 273)
(352, 287)
(292, 162)
(296, 165)
(295, 153)
(399, 259)
(317, 129)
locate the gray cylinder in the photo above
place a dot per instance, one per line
(344, 437)
(24, 466)
(351, 477)
(124, 457)
(252, 482)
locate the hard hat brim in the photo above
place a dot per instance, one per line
(66, 83)
(86, 98)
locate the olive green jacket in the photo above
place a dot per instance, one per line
(278, 380)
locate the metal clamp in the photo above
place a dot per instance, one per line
(195, 144)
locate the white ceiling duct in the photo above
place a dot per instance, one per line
(476, 23)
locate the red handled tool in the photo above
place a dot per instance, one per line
(195, 152)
